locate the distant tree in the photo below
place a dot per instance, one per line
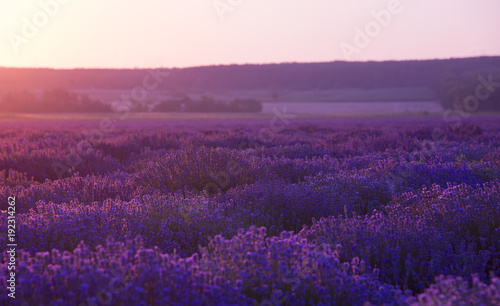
(450, 91)
(21, 101)
(173, 105)
(246, 105)
(275, 95)
(52, 101)
(455, 91)
(87, 105)
(208, 104)
(59, 101)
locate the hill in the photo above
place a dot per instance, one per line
(286, 76)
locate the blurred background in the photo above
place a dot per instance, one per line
(384, 57)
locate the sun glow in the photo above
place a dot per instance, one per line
(117, 34)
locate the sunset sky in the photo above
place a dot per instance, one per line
(181, 33)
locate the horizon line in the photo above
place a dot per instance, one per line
(253, 64)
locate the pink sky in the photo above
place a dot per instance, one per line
(180, 33)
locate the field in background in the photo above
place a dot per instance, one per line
(358, 108)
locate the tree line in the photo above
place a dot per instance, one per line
(50, 101)
(63, 101)
(208, 105)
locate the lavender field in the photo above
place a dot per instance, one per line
(280, 211)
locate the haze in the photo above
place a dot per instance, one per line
(177, 33)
